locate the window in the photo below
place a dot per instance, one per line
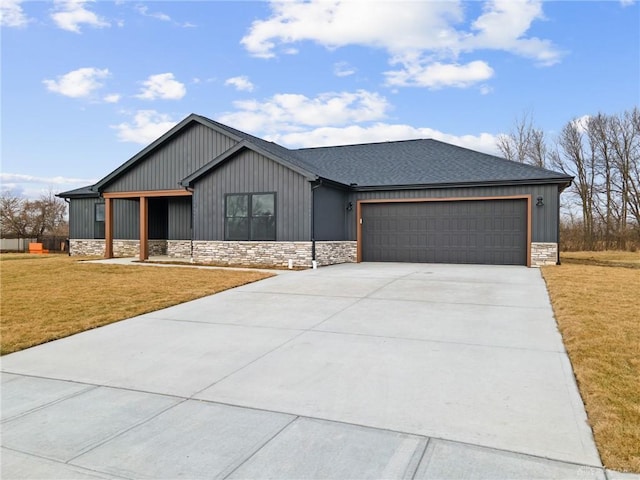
(250, 216)
(98, 224)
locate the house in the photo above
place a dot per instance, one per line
(210, 193)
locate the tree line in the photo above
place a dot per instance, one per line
(24, 218)
(601, 209)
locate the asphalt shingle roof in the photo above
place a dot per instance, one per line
(417, 162)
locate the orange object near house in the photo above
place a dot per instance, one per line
(37, 248)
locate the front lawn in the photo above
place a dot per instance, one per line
(596, 300)
(45, 297)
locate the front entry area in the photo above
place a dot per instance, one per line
(474, 231)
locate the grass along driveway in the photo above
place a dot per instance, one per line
(46, 297)
(596, 304)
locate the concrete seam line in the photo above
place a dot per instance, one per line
(424, 451)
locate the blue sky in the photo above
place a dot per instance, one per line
(87, 84)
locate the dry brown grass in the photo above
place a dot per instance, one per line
(598, 311)
(45, 297)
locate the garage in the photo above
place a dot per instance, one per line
(478, 231)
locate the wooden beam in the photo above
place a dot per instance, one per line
(108, 228)
(148, 193)
(144, 228)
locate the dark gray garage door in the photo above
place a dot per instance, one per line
(472, 231)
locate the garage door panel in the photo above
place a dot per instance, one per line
(477, 231)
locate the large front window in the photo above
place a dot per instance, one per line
(250, 216)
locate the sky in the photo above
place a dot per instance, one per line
(85, 84)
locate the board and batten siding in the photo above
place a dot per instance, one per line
(544, 219)
(179, 218)
(330, 215)
(251, 172)
(175, 160)
(81, 217)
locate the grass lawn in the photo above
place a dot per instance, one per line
(596, 300)
(45, 297)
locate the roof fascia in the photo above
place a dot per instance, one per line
(564, 182)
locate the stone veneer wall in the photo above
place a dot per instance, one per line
(272, 253)
(179, 248)
(543, 254)
(121, 248)
(330, 253)
(91, 248)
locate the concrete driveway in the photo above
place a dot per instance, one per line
(351, 371)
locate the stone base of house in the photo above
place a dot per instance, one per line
(543, 253)
(121, 248)
(179, 248)
(86, 248)
(276, 254)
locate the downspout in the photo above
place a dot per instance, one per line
(189, 189)
(313, 222)
(558, 229)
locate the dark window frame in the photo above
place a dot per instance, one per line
(98, 225)
(251, 235)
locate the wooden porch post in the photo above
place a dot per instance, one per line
(108, 228)
(144, 228)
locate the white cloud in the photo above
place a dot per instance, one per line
(438, 75)
(71, 14)
(381, 132)
(289, 111)
(343, 69)
(163, 86)
(144, 10)
(241, 83)
(503, 25)
(112, 98)
(11, 14)
(146, 126)
(414, 25)
(627, 3)
(78, 83)
(422, 32)
(17, 178)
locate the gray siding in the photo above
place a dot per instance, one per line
(330, 213)
(544, 219)
(126, 219)
(251, 172)
(81, 217)
(179, 219)
(175, 160)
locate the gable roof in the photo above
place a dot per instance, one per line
(398, 164)
(419, 162)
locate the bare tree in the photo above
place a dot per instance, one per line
(574, 157)
(525, 143)
(20, 217)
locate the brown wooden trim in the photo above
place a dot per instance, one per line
(108, 228)
(144, 228)
(148, 194)
(359, 231)
(440, 199)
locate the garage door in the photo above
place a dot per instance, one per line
(472, 231)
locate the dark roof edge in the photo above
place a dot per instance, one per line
(82, 192)
(248, 145)
(155, 144)
(564, 182)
